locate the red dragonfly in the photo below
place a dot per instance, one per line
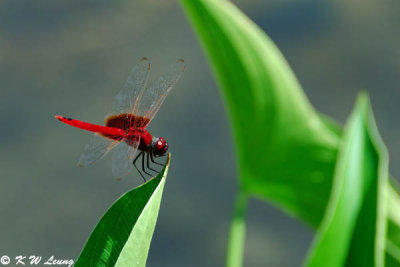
(124, 132)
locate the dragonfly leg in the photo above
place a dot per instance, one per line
(134, 164)
(148, 163)
(143, 168)
(152, 160)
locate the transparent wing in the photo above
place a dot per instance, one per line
(152, 98)
(125, 100)
(122, 158)
(97, 148)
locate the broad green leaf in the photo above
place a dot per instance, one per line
(352, 232)
(123, 235)
(286, 151)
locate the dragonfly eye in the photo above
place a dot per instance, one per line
(160, 146)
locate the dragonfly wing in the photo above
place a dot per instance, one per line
(122, 159)
(124, 101)
(97, 148)
(153, 97)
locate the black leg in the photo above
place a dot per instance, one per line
(148, 163)
(134, 164)
(152, 160)
(143, 168)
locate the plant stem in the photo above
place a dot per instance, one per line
(237, 234)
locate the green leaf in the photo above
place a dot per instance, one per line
(352, 232)
(393, 231)
(123, 235)
(286, 153)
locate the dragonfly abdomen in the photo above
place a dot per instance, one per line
(103, 130)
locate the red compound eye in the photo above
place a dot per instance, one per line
(160, 146)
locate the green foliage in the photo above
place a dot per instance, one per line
(123, 235)
(352, 232)
(287, 152)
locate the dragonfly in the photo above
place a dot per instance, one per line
(125, 129)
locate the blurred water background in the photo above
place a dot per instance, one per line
(72, 57)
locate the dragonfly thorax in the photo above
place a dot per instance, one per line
(145, 138)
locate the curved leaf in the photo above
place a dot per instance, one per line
(286, 153)
(123, 235)
(352, 232)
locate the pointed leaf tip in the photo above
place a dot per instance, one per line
(123, 235)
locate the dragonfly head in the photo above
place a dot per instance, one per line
(160, 146)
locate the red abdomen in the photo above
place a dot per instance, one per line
(117, 127)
